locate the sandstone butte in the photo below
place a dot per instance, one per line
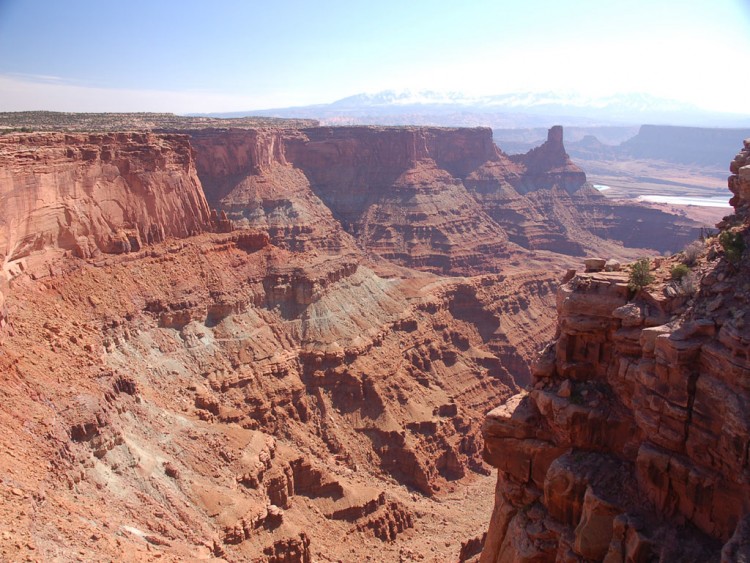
(280, 344)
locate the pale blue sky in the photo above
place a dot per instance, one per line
(221, 55)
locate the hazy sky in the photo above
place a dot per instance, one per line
(221, 55)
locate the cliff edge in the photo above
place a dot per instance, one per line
(90, 193)
(633, 443)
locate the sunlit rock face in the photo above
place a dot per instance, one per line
(94, 193)
(294, 366)
(632, 443)
(442, 200)
(213, 389)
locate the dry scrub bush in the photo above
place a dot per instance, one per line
(679, 271)
(692, 252)
(733, 245)
(689, 284)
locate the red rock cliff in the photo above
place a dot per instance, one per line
(633, 443)
(350, 165)
(438, 199)
(549, 166)
(96, 192)
(246, 173)
(400, 191)
(223, 156)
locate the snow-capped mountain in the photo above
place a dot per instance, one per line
(515, 101)
(404, 98)
(510, 110)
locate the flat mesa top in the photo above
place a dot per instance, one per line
(27, 121)
(64, 122)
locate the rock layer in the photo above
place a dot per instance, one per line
(89, 193)
(219, 396)
(632, 444)
(442, 200)
(246, 173)
(268, 391)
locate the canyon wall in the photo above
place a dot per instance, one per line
(220, 397)
(247, 174)
(442, 200)
(684, 145)
(632, 444)
(96, 192)
(400, 192)
(286, 390)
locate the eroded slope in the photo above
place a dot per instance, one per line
(221, 397)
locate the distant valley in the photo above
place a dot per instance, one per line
(652, 162)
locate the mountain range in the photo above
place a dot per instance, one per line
(517, 109)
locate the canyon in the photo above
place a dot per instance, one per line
(278, 341)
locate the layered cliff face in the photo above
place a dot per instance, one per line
(633, 443)
(245, 172)
(385, 186)
(277, 392)
(394, 190)
(441, 200)
(400, 192)
(547, 204)
(548, 166)
(96, 193)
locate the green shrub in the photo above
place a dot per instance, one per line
(640, 275)
(679, 271)
(733, 245)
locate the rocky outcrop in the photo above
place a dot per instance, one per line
(548, 166)
(96, 193)
(632, 444)
(543, 201)
(739, 181)
(556, 209)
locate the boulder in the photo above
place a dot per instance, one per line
(612, 265)
(594, 264)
